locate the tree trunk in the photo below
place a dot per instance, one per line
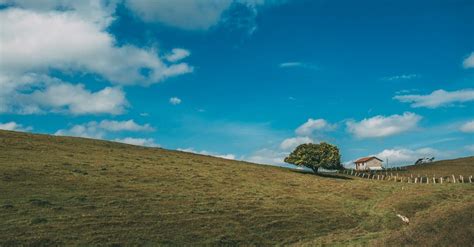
(315, 169)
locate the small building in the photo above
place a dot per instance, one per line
(368, 163)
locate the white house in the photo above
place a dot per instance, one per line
(368, 163)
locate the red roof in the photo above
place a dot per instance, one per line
(365, 159)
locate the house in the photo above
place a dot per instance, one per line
(368, 163)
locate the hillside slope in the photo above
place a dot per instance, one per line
(75, 191)
(461, 166)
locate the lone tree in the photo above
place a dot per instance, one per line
(315, 156)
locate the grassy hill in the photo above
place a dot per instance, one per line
(461, 166)
(75, 191)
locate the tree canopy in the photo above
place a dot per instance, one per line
(315, 156)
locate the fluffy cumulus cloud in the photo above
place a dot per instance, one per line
(292, 143)
(382, 126)
(468, 127)
(437, 98)
(38, 41)
(469, 61)
(403, 156)
(72, 37)
(87, 130)
(175, 101)
(148, 142)
(267, 156)
(201, 15)
(184, 14)
(33, 93)
(99, 130)
(14, 126)
(276, 155)
(129, 125)
(204, 152)
(75, 99)
(312, 125)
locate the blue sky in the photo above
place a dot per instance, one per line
(246, 80)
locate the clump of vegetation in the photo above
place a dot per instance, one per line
(314, 156)
(7, 206)
(38, 220)
(40, 203)
(79, 171)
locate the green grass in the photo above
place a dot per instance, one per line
(75, 191)
(462, 166)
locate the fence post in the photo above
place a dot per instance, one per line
(416, 180)
(461, 178)
(441, 180)
(470, 179)
(434, 180)
(383, 177)
(454, 179)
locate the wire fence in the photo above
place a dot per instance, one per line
(388, 175)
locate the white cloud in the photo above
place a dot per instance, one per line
(88, 130)
(290, 64)
(405, 156)
(175, 101)
(381, 126)
(297, 64)
(99, 130)
(204, 152)
(78, 100)
(33, 93)
(148, 142)
(401, 77)
(437, 98)
(128, 125)
(14, 126)
(311, 125)
(37, 41)
(71, 36)
(292, 143)
(468, 127)
(99, 12)
(267, 156)
(184, 14)
(177, 54)
(470, 148)
(201, 15)
(469, 61)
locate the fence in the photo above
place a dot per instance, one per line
(416, 179)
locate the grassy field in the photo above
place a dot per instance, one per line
(462, 166)
(74, 191)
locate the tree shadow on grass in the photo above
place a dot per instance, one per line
(320, 174)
